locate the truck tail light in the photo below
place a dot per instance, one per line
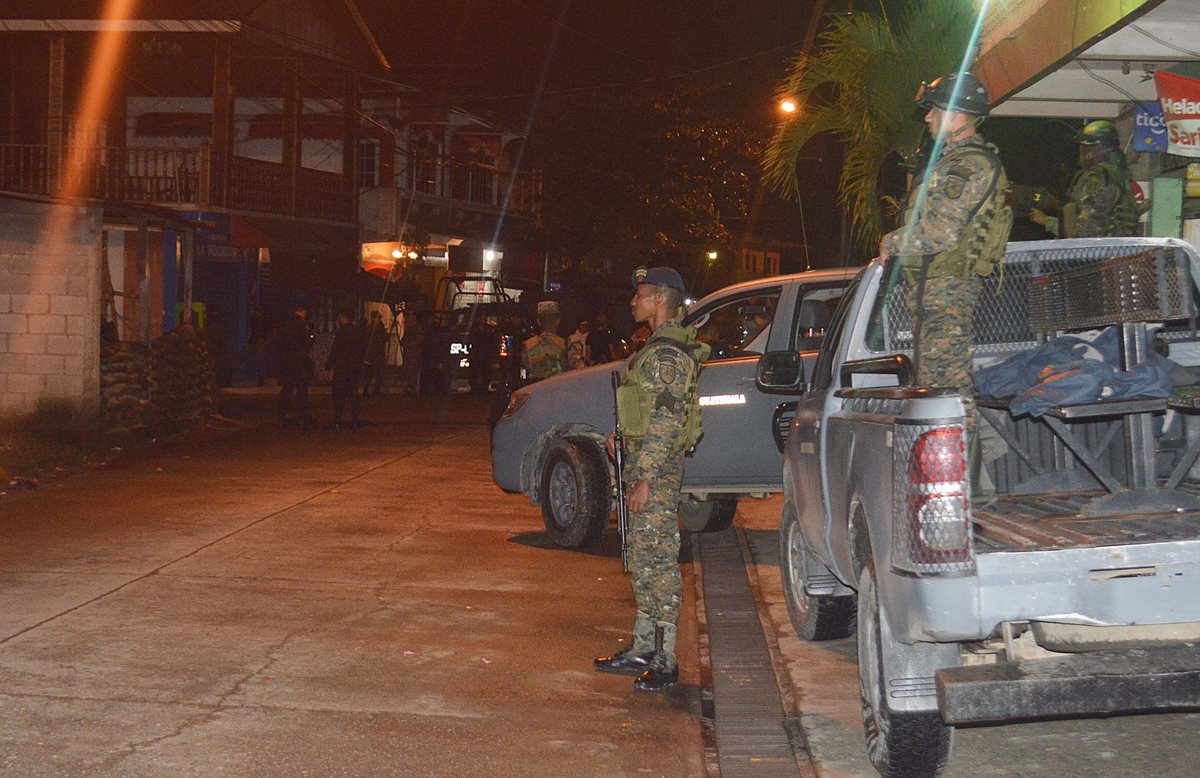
(932, 529)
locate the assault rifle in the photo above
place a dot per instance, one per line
(619, 462)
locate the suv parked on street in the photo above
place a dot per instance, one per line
(549, 442)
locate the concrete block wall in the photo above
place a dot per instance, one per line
(49, 306)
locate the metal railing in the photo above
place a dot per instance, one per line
(450, 180)
(24, 169)
(171, 177)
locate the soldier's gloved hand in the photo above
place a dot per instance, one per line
(639, 495)
(610, 443)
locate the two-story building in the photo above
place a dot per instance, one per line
(199, 154)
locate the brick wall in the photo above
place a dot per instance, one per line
(49, 306)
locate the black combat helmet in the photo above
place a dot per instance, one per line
(1100, 133)
(972, 97)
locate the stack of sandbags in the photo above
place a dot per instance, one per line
(124, 386)
(182, 380)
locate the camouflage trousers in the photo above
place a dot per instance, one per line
(943, 310)
(654, 556)
(943, 348)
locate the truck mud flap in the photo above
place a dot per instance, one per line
(1143, 679)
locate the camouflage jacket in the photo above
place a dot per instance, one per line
(1101, 201)
(545, 355)
(958, 186)
(667, 374)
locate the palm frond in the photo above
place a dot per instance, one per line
(859, 86)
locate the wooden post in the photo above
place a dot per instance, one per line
(292, 136)
(54, 114)
(131, 297)
(153, 240)
(350, 142)
(222, 131)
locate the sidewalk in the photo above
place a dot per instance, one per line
(285, 602)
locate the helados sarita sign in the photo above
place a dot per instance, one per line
(1179, 97)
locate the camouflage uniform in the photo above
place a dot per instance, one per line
(942, 299)
(1101, 201)
(544, 355)
(665, 375)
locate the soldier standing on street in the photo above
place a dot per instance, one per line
(659, 414)
(1100, 198)
(545, 354)
(293, 342)
(344, 364)
(954, 232)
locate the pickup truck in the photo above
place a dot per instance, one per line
(1074, 591)
(549, 441)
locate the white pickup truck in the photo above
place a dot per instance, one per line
(1076, 591)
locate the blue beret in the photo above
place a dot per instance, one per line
(659, 276)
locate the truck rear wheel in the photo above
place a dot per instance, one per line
(814, 616)
(899, 744)
(712, 515)
(576, 495)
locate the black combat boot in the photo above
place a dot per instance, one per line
(625, 662)
(635, 657)
(663, 672)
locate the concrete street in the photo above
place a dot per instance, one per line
(364, 602)
(367, 602)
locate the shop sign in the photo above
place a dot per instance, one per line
(1192, 183)
(1149, 128)
(1179, 97)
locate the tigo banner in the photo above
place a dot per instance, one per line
(1149, 129)
(1179, 97)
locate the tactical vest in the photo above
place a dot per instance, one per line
(981, 246)
(1121, 221)
(544, 356)
(635, 396)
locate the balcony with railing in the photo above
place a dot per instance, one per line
(471, 185)
(172, 178)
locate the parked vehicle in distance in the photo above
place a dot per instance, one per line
(549, 442)
(475, 343)
(1073, 592)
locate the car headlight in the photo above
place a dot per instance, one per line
(514, 404)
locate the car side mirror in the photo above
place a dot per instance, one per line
(780, 371)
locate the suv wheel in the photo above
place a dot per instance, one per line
(576, 493)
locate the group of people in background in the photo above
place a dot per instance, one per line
(355, 366)
(547, 353)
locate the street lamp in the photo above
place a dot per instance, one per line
(788, 105)
(712, 256)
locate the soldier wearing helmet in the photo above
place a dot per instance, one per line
(1100, 199)
(954, 232)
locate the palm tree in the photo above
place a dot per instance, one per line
(859, 87)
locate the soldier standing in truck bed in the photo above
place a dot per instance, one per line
(955, 230)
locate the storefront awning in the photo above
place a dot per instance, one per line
(1082, 58)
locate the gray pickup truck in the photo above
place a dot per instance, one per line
(549, 443)
(1076, 591)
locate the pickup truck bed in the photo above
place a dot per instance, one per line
(1052, 521)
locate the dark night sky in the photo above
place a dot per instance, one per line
(488, 56)
(483, 51)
